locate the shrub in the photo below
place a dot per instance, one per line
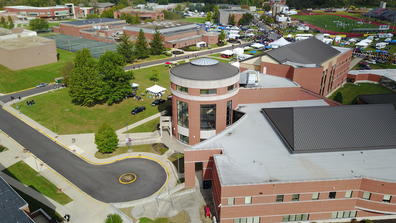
(113, 218)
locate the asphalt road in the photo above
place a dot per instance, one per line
(197, 54)
(99, 181)
(7, 98)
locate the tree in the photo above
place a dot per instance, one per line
(106, 140)
(338, 97)
(141, 48)
(10, 23)
(125, 48)
(246, 19)
(156, 45)
(3, 22)
(66, 71)
(154, 77)
(109, 13)
(85, 84)
(267, 19)
(93, 16)
(130, 18)
(231, 19)
(216, 14)
(38, 24)
(222, 37)
(115, 80)
(113, 218)
(209, 16)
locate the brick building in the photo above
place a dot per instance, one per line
(226, 13)
(314, 65)
(52, 12)
(272, 151)
(176, 34)
(101, 29)
(143, 14)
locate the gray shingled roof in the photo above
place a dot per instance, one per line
(205, 73)
(11, 204)
(309, 51)
(337, 128)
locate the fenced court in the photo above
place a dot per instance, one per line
(73, 44)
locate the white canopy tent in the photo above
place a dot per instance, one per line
(227, 52)
(364, 43)
(134, 85)
(155, 89)
(257, 45)
(278, 43)
(238, 51)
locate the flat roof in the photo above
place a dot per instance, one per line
(91, 21)
(24, 7)
(253, 153)
(388, 73)
(11, 204)
(335, 128)
(205, 71)
(23, 42)
(266, 80)
(378, 98)
(164, 27)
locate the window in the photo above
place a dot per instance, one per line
(247, 220)
(182, 89)
(183, 138)
(208, 91)
(343, 214)
(230, 88)
(387, 198)
(348, 194)
(366, 195)
(332, 195)
(315, 196)
(229, 113)
(208, 117)
(295, 197)
(295, 217)
(231, 201)
(279, 198)
(182, 114)
(248, 200)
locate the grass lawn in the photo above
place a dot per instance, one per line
(195, 19)
(21, 79)
(351, 91)
(334, 23)
(26, 175)
(182, 217)
(55, 110)
(157, 148)
(149, 126)
(151, 58)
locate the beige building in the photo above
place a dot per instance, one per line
(24, 52)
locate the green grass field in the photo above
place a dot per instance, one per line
(55, 111)
(21, 79)
(147, 148)
(333, 23)
(195, 19)
(26, 175)
(351, 91)
(149, 126)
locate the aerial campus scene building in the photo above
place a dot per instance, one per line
(264, 112)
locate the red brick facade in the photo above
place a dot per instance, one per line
(43, 12)
(142, 14)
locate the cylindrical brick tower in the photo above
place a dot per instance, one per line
(204, 92)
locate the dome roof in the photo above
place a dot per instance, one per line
(204, 62)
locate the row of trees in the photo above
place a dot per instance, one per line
(6, 23)
(140, 49)
(94, 81)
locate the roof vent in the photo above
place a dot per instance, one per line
(204, 62)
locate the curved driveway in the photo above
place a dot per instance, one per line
(99, 181)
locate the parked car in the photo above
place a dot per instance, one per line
(131, 95)
(138, 110)
(177, 52)
(157, 102)
(41, 85)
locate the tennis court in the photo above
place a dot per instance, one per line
(73, 44)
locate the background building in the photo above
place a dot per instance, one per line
(52, 12)
(31, 50)
(176, 34)
(143, 14)
(226, 13)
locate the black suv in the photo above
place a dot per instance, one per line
(138, 110)
(157, 102)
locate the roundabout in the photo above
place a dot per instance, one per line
(127, 178)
